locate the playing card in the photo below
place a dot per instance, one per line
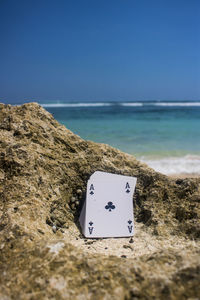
(108, 209)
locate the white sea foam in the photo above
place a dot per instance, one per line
(128, 104)
(176, 104)
(75, 104)
(189, 164)
(131, 104)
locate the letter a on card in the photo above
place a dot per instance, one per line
(108, 208)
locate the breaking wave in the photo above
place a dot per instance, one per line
(75, 104)
(177, 104)
(188, 164)
(124, 104)
(131, 104)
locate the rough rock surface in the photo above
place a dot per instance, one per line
(44, 169)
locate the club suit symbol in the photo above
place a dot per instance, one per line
(90, 228)
(91, 189)
(130, 226)
(110, 206)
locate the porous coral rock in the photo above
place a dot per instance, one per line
(43, 255)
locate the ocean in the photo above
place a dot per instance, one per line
(163, 134)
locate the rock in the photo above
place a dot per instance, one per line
(131, 241)
(79, 192)
(43, 166)
(73, 199)
(54, 228)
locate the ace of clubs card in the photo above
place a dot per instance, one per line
(108, 209)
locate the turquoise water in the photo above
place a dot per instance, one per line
(166, 135)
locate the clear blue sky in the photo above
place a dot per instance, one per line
(99, 50)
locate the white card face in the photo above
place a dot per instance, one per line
(108, 209)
